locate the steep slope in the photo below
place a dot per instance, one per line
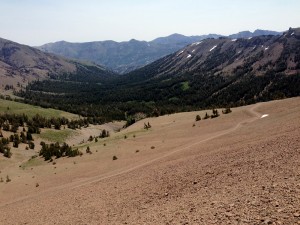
(222, 71)
(124, 57)
(228, 56)
(21, 64)
(236, 169)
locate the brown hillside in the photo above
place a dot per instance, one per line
(22, 64)
(239, 168)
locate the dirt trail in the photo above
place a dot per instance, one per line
(94, 179)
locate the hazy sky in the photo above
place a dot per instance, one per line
(35, 22)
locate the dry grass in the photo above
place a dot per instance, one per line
(57, 135)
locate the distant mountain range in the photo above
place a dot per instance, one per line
(21, 64)
(209, 73)
(123, 57)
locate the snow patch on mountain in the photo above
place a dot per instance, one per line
(180, 52)
(196, 43)
(213, 48)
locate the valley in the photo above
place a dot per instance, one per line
(212, 73)
(179, 130)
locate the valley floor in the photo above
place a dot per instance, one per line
(239, 168)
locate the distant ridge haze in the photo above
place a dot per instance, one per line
(126, 56)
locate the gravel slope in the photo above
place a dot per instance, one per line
(248, 174)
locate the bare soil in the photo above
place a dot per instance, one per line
(238, 168)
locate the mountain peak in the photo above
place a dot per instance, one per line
(176, 35)
(133, 40)
(173, 38)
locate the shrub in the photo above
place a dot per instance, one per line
(8, 179)
(226, 111)
(29, 136)
(14, 127)
(129, 121)
(215, 114)
(91, 138)
(7, 153)
(5, 126)
(88, 150)
(23, 137)
(104, 134)
(115, 157)
(147, 126)
(206, 116)
(31, 145)
(198, 118)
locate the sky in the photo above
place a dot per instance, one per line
(36, 22)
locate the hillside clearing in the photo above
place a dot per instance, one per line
(30, 110)
(57, 135)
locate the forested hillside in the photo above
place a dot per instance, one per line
(211, 73)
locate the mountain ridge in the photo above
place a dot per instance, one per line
(126, 56)
(22, 64)
(234, 50)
